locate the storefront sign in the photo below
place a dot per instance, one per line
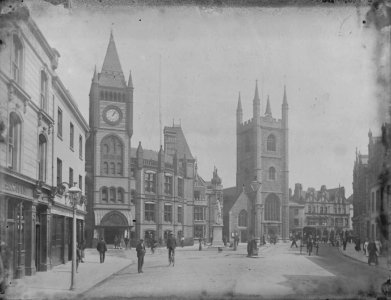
(17, 188)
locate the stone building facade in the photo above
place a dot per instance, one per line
(326, 212)
(42, 136)
(262, 168)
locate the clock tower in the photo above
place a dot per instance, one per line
(110, 209)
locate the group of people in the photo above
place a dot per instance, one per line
(310, 242)
(371, 249)
(121, 242)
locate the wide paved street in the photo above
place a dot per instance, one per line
(278, 272)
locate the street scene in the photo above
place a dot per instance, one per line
(199, 151)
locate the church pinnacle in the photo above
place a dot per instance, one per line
(268, 112)
(239, 104)
(284, 101)
(256, 95)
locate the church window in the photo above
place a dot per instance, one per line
(112, 194)
(104, 194)
(271, 143)
(168, 185)
(272, 173)
(199, 213)
(111, 156)
(242, 218)
(272, 208)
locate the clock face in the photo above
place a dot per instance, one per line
(112, 115)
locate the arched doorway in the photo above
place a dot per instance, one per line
(113, 224)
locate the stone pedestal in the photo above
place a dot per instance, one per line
(217, 236)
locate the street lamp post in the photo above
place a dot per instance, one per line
(257, 219)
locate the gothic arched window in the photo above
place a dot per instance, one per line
(104, 194)
(242, 218)
(111, 156)
(272, 173)
(271, 143)
(42, 149)
(112, 194)
(120, 195)
(272, 208)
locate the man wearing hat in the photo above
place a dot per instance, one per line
(140, 248)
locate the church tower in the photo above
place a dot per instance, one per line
(110, 210)
(263, 168)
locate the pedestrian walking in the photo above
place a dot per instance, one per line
(358, 245)
(102, 248)
(309, 246)
(171, 245)
(182, 241)
(345, 242)
(122, 243)
(200, 244)
(78, 256)
(82, 254)
(153, 245)
(293, 242)
(140, 249)
(126, 242)
(115, 242)
(372, 253)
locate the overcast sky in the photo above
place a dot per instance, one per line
(323, 55)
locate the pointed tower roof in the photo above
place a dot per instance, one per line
(130, 80)
(256, 95)
(239, 103)
(111, 74)
(284, 101)
(95, 77)
(268, 112)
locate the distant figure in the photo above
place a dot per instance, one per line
(122, 243)
(372, 253)
(309, 246)
(200, 244)
(102, 248)
(82, 247)
(171, 245)
(78, 256)
(358, 245)
(293, 242)
(140, 248)
(153, 245)
(115, 242)
(126, 242)
(182, 241)
(264, 239)
(345, 241)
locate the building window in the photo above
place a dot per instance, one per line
(150, 182)
(71, 135)
(296, 211)
(104, 194)
(296, 222)
(168, 185)
(242, 218)
(373, 202)
(132, 172)
(14, 140)
(80, 147)
(105, 168)
(272, 173)
(59, 172)
(149, 212)
(199, 231)
(167, 213)
(42, 149)
(321, 210)
(81, 183)
(180, 214)
(70, 177)
(271, 143)
(272, 208)
(59, 122)
(325, 210)
(112, 168)
(378, 200)
(180, 187)
(112, 194)
(112, 155)
(17, 60)
(44, 91)
(133, 196)
(120, 195)
(196, 195)
(199, 213)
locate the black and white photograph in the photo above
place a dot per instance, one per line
(211, 149)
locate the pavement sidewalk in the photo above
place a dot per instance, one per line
(54, 284)
(360, 256)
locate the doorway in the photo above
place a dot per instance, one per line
(37, 246)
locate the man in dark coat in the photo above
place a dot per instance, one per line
(293, 242)
(140, 248)
(171, 245)
(372, 253)
(102, 248)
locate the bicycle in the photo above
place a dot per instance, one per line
(171, 256)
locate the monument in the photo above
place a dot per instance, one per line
(218, 212)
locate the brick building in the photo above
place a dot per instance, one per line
(42, 150)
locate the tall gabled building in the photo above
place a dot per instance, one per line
(110, 210)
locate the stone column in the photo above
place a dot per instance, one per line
(30, 221)
(45, 264)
